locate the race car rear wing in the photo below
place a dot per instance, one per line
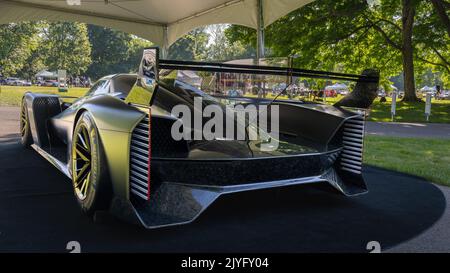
(151, 65)
(262, 70)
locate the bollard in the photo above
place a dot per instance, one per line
(393, 105)
(428, 106)
(62, 75)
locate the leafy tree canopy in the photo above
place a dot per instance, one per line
(351, 35)
(66, 46)
(81, 49)
(113, 51)
(192, 46)
(18, 41)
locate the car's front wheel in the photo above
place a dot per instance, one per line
(89, 170)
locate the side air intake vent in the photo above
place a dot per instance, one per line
(140, 160)
(352, 137)
(44, 107)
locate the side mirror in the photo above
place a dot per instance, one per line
(148, 69)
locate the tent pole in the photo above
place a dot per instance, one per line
(260, 50)
(165, 45)
(259, 46)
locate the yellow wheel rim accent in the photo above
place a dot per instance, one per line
(23, 120)
(81, 162)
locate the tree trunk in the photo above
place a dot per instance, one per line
(408, 13)
(440, 8)
(364, 93)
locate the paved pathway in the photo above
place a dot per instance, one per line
(401, 129)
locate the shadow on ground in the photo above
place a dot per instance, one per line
(39, 213)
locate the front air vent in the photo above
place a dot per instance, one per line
(352, 137)
(140, 160)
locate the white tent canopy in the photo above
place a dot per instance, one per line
(160, 21)
(46, 74)
(337, 86)
(426, 88)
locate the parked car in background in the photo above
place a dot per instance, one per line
(444, 95)
(17, 82)
(330, 93)
(235, 93)
(39, 83)
(50, 83)
(13, 81)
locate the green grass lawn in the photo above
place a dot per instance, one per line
(427, 158)
(12, 95)
(407, 112)
(411, 112)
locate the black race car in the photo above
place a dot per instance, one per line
(118, 146)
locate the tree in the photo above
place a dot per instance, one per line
(432, 43)
(18, 41)
(113, 51)
(27, 48)
(192, 46)
(66, 46)
(33, 64)
(135, 49)
(406, 47)
(222, 48)
(109, 49)
(441, 8)
(353, 35)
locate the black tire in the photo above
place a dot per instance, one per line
(96, 195)
(25, 132)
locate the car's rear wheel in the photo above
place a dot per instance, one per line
(89, 170)
(25, 131)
